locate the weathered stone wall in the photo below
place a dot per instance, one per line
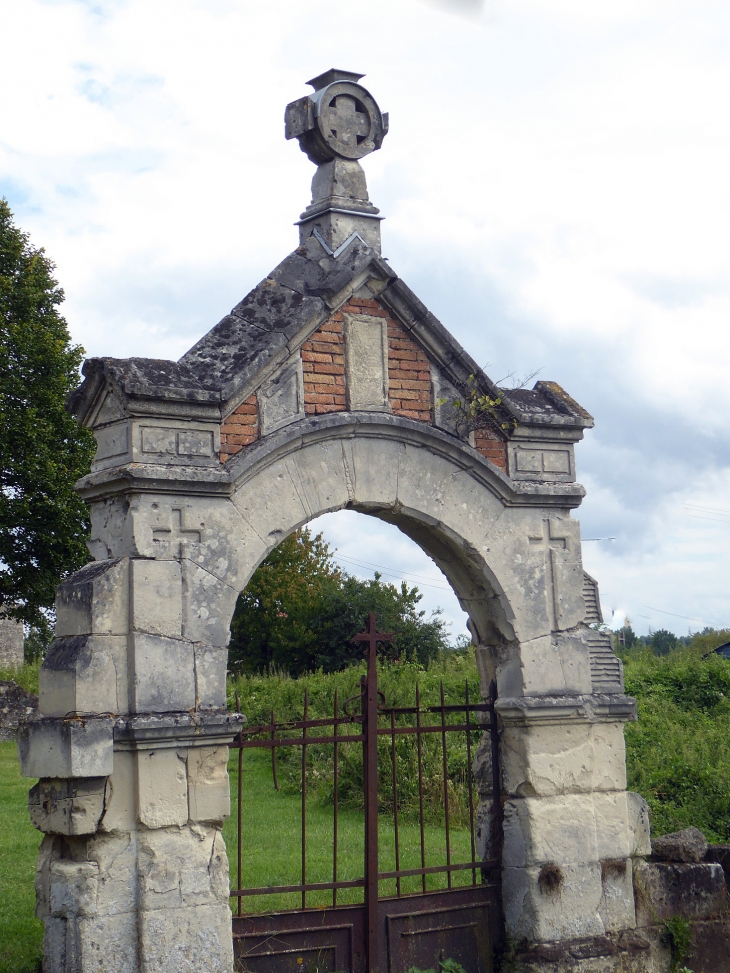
(11, 643)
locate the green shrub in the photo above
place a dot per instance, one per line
(260, 695)
(678, 754)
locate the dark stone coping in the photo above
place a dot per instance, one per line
(269, 324)
(627, 941)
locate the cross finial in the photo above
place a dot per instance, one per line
(372, 636)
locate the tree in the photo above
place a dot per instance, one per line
(271, 623)
(43, 450)
(662, 641)
(299, 612)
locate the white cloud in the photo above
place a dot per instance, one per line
(555, 187)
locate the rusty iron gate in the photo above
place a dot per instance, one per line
(380, 933)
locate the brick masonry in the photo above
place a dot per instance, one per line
(491, 445)
(323, 365)
(410, 391)
(240, 428)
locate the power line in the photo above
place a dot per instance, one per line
(674, 615)
(388, 571)
(699, 506)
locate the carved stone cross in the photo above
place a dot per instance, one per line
(551, 542)
(344, 120)
(176, 534)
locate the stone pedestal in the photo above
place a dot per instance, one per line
(132, 873)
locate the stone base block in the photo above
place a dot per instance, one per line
(192, 940)
(91, 945)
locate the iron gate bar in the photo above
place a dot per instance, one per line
(395, 801)
(304, 799)
(336, 803)
(372, 707)
(470, 784)
(446, 786)
(485, 865)
(420, 784)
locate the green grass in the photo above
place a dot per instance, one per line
(21, 934)
(26, 676)
(271, 843)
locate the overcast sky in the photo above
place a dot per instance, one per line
(555, 183)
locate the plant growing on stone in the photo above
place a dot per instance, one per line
(679, 935)
(475, 407)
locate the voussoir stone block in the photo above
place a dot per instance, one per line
(207, 606)
(162, 796)
(373, 466)
(163, 674)
(66, 747)
(94, 600)
(84, 674)
(156, 597)
(270, 514)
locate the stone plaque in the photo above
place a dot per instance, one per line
(366, 360)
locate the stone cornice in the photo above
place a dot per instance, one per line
(152, 731)
(594, 708)
(210, 481)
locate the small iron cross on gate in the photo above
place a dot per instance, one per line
(372, 636)
(345, 122)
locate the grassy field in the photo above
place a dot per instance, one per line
(678, 758)
(271, 851)
(21, 934)
(271, 843)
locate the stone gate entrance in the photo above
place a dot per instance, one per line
(329, 386)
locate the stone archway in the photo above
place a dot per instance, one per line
(295, 405)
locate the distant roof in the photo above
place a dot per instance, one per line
(723, 650)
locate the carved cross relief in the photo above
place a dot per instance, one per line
(176, 535)
(345, 122)
(550, 541)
